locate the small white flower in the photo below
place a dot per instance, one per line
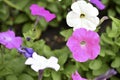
(83, 15)
(38, 62)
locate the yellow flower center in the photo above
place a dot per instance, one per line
(83, 43)
(82, 15)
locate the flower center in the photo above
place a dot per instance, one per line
(83, 43)
(82, 15)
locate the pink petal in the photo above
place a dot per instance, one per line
(76, 76)
(40, 11)
(36, 10)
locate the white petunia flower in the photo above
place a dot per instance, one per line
(83, 15)
(38, 62)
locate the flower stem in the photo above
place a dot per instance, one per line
(36, 22)
(40, 74)
(2, 54)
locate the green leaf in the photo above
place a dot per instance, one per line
(118, 9)
(95, 64)
(114, 31)
(16, 65)
(111, 12)
(66, 33)
(5, 71)
(69, 69)
(114, 78)
(107, 39)
(52, 7)
(47, 51)
(33, 34)
(21, 18)
(62, 58)
(102, 52)
(31, 72)
(43, 24)
(117, 21)
(117, 42)
(100, 71)
(117, 2)
(4, 12)
(62, 55)
(118, 69)
(47, 72)
(56, 75)
(17, 4)
(27, 27)
(25, 77)
(84, 66)
(105, 1)
(116, 63)
(11, 77)
(110, 52)
(89, 75)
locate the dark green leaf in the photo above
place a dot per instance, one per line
(21, 19)
(11, 77)
(56, 75)
(95, 64)
(116, 62)
(25, 77)
(66, 33)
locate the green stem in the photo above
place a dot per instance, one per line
(36, 22)
(2, 54)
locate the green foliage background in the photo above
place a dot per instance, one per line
(16, 14)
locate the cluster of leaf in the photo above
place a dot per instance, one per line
(112, 7)
(17, 13)
(12, 66)
(110, 45)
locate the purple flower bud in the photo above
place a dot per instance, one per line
(27, 52)
(98, 3)
(107, 75)
(28, 38)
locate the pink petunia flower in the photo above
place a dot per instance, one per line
(84, 45)
(76, 76)
(42, 12)
(9, 40)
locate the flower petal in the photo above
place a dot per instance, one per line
(73, 19)
(52, 63)
(76, 76)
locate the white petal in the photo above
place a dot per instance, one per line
(73, 19)
(56, 67)
(29, 61)
(53, 59)
(94, 20)
(82, 5)
(35, 68)
(34, 55)
(91, 23)
(75, 7)
(52, 63)
(88, 23)
(90, 10)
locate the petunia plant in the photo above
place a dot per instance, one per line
(59, 40)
